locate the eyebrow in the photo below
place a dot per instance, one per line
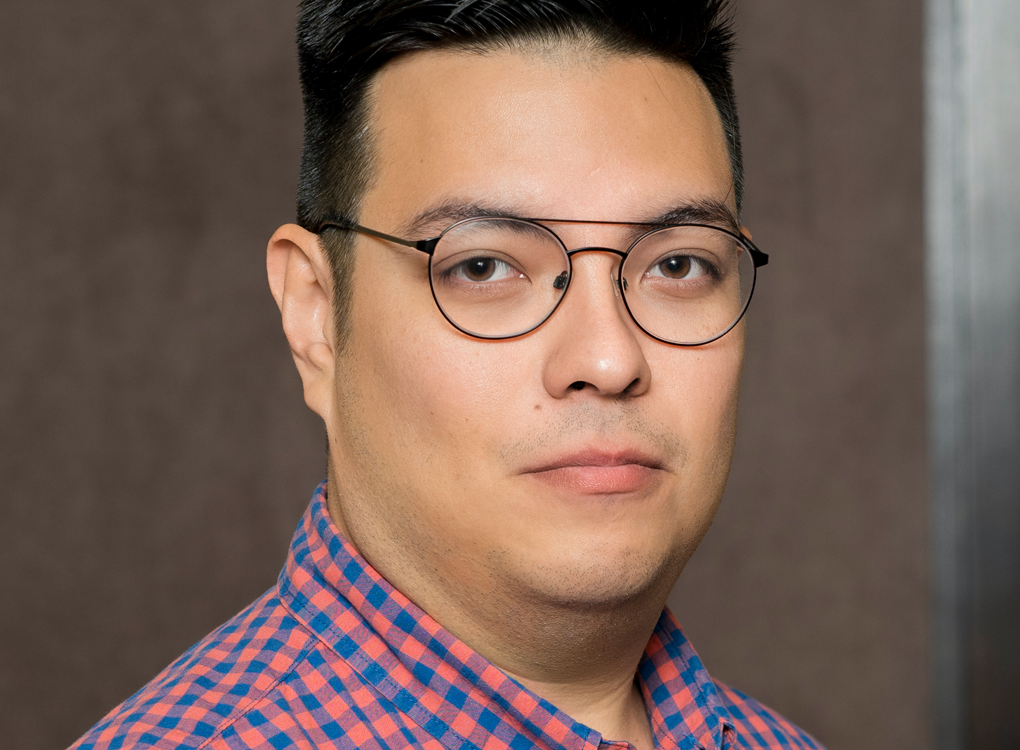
(702, 211)
(441, 216)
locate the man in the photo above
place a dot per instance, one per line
(514, 298)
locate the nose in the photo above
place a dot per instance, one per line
(594, 343)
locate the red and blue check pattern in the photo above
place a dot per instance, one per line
(335, 657)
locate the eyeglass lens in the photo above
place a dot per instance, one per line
(499, 278)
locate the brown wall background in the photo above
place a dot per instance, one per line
(155, 454)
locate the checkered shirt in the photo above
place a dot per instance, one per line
(335, 657)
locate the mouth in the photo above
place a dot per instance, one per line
(599, 472)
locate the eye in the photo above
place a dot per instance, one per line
(681, 267)
(481, 269)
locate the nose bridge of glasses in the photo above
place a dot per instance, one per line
(596, 249)
(613, 275)
(618, 283)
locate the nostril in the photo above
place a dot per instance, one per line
(577, 385)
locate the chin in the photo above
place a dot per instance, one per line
(601, 578)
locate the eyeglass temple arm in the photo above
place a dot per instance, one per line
(425, 246)
(757, 256)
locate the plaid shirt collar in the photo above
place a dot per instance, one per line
(450, 690)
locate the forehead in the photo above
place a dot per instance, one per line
(569, 134)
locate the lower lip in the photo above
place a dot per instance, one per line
(598, 480)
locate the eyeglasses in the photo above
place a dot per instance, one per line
(502, 277)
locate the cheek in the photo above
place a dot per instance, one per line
(699, 390)
(429, 396)
(720, 425)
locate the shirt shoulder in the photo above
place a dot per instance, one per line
(211, 685)
(759, 727)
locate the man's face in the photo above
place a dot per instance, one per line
(579, 464)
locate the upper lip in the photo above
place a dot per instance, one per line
(597, 457)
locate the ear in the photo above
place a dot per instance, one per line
(301, 283)
(746, 232)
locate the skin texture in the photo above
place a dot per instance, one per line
(434, 436)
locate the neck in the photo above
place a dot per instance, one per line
(613, 706)
(582, 659)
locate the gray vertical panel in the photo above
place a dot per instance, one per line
(974, 304)
(992, 29)
(946, 226)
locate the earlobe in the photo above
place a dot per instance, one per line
(301, 284)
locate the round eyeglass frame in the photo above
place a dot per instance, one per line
(428, 246)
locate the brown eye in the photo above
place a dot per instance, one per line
(482, 269)
(681, 268)
(676, 266)
(479, 269)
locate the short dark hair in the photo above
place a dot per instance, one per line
(342, 44)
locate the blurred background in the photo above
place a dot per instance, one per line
(156, 454)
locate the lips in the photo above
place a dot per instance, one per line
(599, 472)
